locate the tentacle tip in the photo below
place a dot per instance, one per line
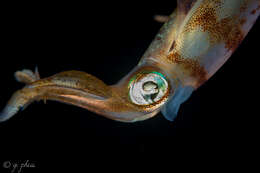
(7, 113)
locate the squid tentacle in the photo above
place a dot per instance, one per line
(56, 88)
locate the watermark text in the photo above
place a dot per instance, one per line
(18, 167)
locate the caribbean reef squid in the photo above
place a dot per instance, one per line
(194, 42)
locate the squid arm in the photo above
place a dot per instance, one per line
(197, 39)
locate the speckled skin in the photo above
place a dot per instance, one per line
(198, 38)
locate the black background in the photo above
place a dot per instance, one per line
(107, 41)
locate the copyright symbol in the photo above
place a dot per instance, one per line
(7, 164)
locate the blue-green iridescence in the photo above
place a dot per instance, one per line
(155, 72)
(143, 73)
(160, 82)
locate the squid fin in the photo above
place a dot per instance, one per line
(170, 110)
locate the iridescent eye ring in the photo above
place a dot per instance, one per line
(147, 88)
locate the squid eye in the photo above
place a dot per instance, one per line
(148, 88)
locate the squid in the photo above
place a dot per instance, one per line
(193, 43)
